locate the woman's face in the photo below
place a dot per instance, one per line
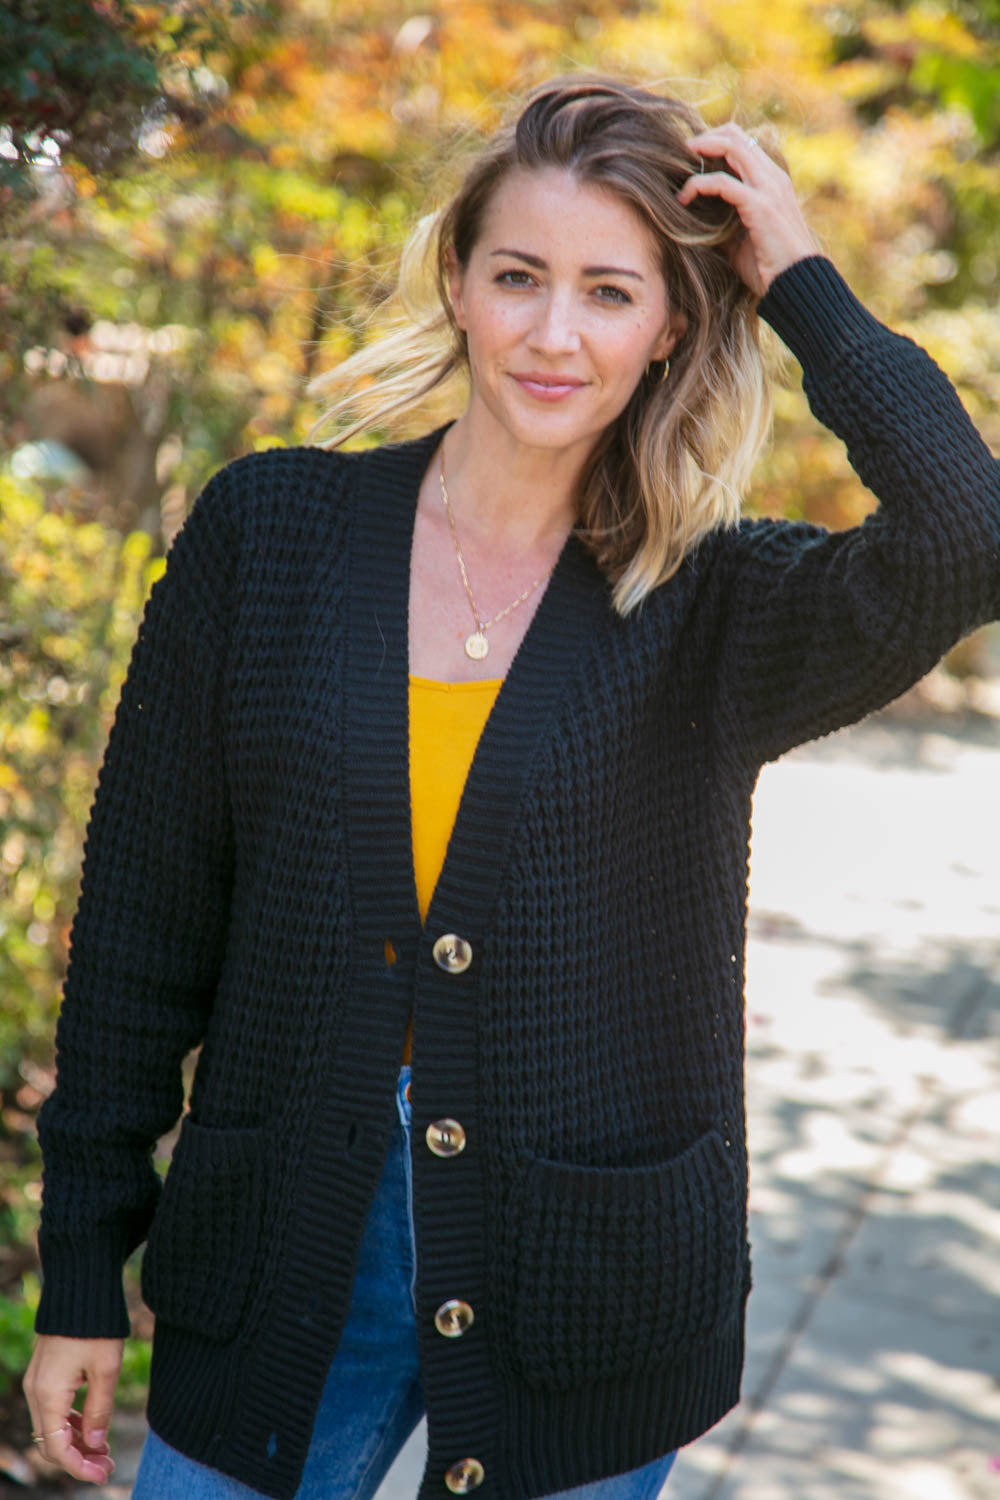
(564, 304)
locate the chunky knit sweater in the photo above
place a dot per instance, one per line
(248, 885)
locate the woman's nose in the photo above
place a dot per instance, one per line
(555, 330)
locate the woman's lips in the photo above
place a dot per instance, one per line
(547, 390)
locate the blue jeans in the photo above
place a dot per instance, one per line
(372, 1399)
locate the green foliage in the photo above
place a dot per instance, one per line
(134, 1379)
(70, 598)
(964, 83)
(17, 1332)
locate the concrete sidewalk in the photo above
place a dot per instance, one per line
(874, 1089)
(874, 1085)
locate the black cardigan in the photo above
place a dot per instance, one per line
(248, 861)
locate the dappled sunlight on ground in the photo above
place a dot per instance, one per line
(874, 1091)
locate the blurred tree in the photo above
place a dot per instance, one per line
(81, 79)
(86, 88)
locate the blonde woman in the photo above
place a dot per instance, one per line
(425, 813)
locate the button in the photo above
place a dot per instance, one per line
(452, 953)
(406, 1092)
(445, 1137)
(454, 1318)
(468, 1474)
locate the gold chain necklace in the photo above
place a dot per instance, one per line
(476, 645)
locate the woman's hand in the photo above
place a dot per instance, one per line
(776, 233)
(75, 1441)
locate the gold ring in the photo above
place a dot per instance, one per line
(42, 1437)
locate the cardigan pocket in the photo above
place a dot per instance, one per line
(203, 1256)
(620, 1271)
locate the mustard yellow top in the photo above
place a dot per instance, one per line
(446, 720)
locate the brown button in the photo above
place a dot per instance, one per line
(445, 1137)
(454, 1318)
(406, 1093)
(452, 953)
(468, 1474)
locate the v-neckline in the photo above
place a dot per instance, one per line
(376, 727)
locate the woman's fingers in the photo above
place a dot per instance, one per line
(68, 1449)
(99, 1403)
(742, 152)
(74, 1441)
(776, 233)
(711, 184)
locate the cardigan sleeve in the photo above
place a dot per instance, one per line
(823, 628)
(147, 938)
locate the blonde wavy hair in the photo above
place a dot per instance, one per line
(676, 462)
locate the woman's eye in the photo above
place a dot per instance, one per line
(505, 274)
(617, 295)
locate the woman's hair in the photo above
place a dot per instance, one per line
(675, 463)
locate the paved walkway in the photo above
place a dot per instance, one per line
(874, 1086)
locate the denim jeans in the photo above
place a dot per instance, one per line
(372, 1400)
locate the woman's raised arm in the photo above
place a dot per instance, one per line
(823, 628)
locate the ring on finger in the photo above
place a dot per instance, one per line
(43, 1437)
(752, 139)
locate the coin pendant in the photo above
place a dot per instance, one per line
(477, 646)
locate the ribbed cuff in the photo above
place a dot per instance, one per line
(813, 310)
(82, 1294)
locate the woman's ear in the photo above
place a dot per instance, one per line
(455, 286)
(670, 337)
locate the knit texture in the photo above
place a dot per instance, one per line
(249, 857)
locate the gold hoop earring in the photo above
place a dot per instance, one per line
(666, 368)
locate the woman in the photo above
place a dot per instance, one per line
(555, 588)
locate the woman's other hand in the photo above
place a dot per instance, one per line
(776, 233)
(75, 1441)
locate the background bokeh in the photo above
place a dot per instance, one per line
(200, 208)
